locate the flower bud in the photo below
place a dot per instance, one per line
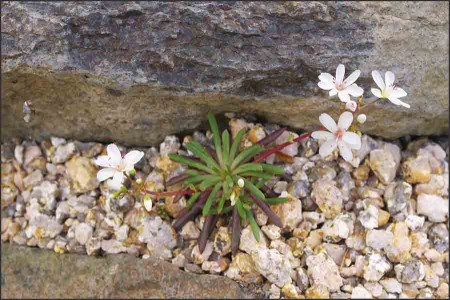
(123, 189)
(115, 194)
(361, 118)
(351, 105)
(148, 204)
(241, 183)
(132, 173)
(139, 180)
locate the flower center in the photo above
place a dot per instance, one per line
(339, 133)
(340, 87)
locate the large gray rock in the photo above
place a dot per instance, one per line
(136, 72)
(35, 273)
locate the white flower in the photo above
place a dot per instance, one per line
(338, 136)
(115, 165)
(387, 88)
(343, 88)
(351, 105)
(361, 118)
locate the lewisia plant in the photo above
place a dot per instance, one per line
(226, 179)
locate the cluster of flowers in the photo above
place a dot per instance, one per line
(342, 135)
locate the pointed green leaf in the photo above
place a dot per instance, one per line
(209, 182)
(201, 153)
(193, 199)
(253, 225)
(275, 200)
(191, 163)
(225, 146)
(258, 175)
(216, 136)
(247, 153)
(248, 168)
(254, 190)
(235, 145)
(240, 209)
(211, 199)
(276, 170)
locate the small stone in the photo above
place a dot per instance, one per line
(83, 233)
(323, 270)
(414, 222)
(439, 237)
(359, 292)
(417, 170)
(272, 265)
(159, 236)
(399, 250)
(190, 231)
(374, 288)
(391, 285)
(93, 246)
(273, 232)
(362, 172)
(438, 185)
(318, 291)
(397, 196)
(222, 241)
(31, 153)
(289, 291)
(56, 141)
(299, 188)
(122, 204)
(432, 206)
(410, 272)
(33, 179)
(42, 226)
(442, 291)
(290, 212)
(82, 173)
(280, 186)
(64, 153)
(19, 153)
(121, 233)
(197, 257)
(302, 279)
(154, 182)
(328, 197)
(339, 228)
(383, 163)
(383, 217)
(193, 268)
(336, 252)
(248, 242)
(179, 260)
(217, 266)
(292, 149)
(375, 268)
(171, 145)
(46, 194)
(369, 217)
(113, 246)
(379, 239)
(274, 292)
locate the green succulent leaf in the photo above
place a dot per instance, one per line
(254, 190)
(221, 202)
(275, 200)
(248, 167)
(276, 170)
(193, 199)
(258, 175)
(209, 182)
(216, 136)
(235, 144)
(201, 153)
(211, 199)
(247, 153)
(225, 146)
(191, 163)
(253, 225)
(240, 209)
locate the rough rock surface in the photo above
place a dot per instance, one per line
(115, 276)
(125, 71)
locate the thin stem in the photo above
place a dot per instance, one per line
(280, 147)
(368, 104)
(266, 209)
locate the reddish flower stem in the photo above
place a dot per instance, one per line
(279, 147)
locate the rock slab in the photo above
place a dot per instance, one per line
(134, 72)
(34, 273)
